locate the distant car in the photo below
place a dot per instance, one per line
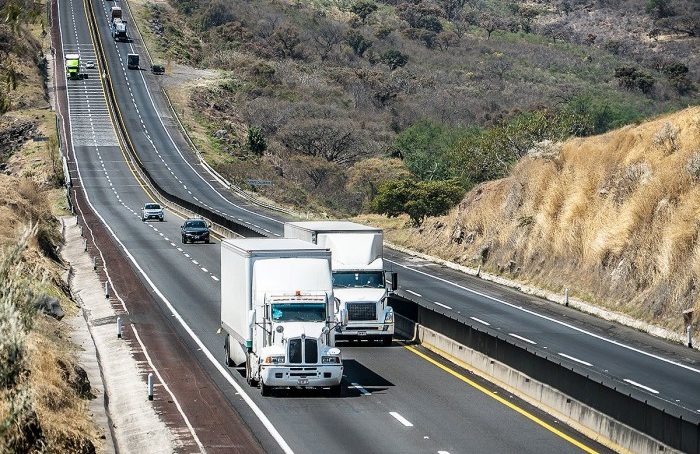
(90, 64)
(152, 211)
(195, 230)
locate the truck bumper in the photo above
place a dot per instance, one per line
(372, 330)
(304, 376)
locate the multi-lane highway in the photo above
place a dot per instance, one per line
(393, 400)
(666, 375)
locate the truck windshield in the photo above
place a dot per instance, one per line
(299, 312)
(357, 279)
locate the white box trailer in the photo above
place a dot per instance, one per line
(358, 275)
(277, 310)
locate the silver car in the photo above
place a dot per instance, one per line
(152, 211)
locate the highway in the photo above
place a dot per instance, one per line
(616, 353)
(385, 388)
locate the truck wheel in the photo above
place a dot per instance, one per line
(227, 349)
(386, 341)
(334, 391)
(265, 390)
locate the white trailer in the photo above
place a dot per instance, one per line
(358, 275)
(277, 310)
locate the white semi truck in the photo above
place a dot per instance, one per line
(277, 310)
(359, 281)
(117, 24)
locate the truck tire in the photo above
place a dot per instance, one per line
(265, 390)
(386, 340)
(227, 349)
(334, 391)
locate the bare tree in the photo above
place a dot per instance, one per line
(334, 140)
(327, 36)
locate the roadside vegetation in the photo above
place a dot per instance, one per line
(314, 92)
(613, 217)
(43, 393)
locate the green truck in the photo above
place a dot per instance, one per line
(73, 66)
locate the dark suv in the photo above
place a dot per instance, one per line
(195, 230)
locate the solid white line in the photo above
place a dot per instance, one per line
(585, 363)
(480, 321)
(361, 389)
(443, 305)
(639, 385)
(414, 293)
(226, 374)
(523, 339)
(401, 419)
(553, 320)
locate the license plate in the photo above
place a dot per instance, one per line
(362, 333)
(303, 381)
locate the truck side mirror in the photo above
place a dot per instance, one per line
(251, 318)
(343, 317)
(394, 281)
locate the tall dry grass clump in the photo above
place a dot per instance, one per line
(616, 217)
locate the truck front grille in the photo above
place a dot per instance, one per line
(362, 311)
(310, 348)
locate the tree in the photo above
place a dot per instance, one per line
(331, 139)
(423, 147)
(417, 199)
(491, 22)
(632, 78)
(445, 40)
(357, 42)
(328, 35)
(394, 59)
(256, 140)
(659, 8)
(363, 9)
(365, 176)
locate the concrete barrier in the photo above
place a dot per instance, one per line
(590, 404)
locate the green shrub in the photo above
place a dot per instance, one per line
(417, 199)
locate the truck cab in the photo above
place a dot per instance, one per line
(359, 282)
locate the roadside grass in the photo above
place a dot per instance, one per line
(614, 218)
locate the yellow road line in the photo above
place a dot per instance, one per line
(500, 399)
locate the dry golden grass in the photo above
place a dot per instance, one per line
(615, 217)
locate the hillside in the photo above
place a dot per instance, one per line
(615, 218)
(44, 394)
(313, 95)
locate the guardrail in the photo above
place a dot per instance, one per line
(635, 410)
(222, 223)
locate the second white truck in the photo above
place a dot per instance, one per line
(359, 281)
(277, 310)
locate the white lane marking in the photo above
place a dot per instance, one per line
(361, 389)
(414, 293)
(187, 255)
(215, 278)
(480, 321)
(204, 269)
(585, 363)
(195, 262)
(544, 317)
(179, 249)
(173, 244)
(525, 339)
(639, 385)
(443, 305)
(443, 452)
(226, 374)
(401, 419)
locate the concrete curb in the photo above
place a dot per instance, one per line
(575, 303)
(135, 425)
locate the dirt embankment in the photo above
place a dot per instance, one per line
(44, 393)
(615, 218)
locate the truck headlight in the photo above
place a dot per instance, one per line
(389, 317)
(330, 359)
(274, 360)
